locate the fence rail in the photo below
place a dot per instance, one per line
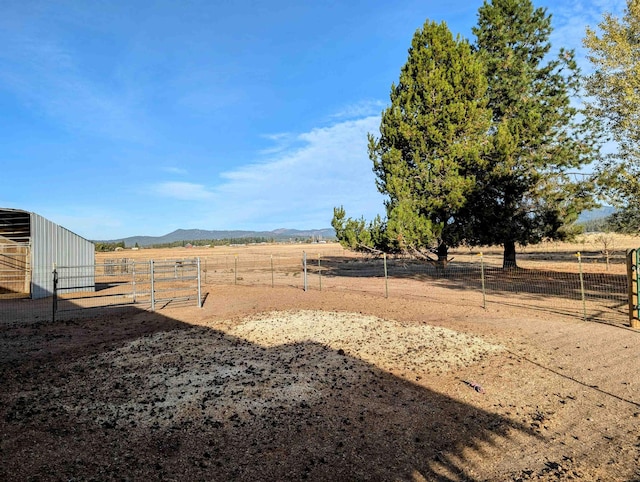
(585, 289)
(572, 286)
(113, 283)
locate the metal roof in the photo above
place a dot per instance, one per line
(15, 225)
(49, 245)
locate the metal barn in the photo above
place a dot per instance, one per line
(30, 247)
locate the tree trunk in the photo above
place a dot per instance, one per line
(443, 259)
(509, 258)
(443, 253)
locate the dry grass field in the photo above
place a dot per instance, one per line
(556, 255)
(275, 383)
(552, 278)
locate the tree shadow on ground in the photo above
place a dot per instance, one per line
(138, 395)
(569, 256)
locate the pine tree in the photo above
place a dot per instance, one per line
(358, 235)
(614, 88)
(431, 142)
(525, 193)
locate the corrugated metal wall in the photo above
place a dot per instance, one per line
(52, 244)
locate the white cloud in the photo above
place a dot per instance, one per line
(281, 142)
(360, 109)
(297, 188)
(183, 191)
(175, 170)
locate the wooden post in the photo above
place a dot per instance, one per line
(28, 273)
(632, 277)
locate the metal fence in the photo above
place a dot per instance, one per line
(582, 287)
(122, 283)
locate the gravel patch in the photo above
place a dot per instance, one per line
(265, 362)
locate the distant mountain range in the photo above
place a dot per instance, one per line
(599, 213)
(278, 234)
(200, 234)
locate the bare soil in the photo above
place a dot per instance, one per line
(280, 384)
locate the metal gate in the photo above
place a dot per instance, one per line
(121, 282)
(633, 276)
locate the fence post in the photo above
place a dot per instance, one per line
(636, 321)
(484, 291)
(199, 285)
(153, 295)
(319, 272)
(584, 303)
(632, 277)
(304, 264)
(55, 293)
(272, 271)
(133, 283)
(386, 277)
(235, 270)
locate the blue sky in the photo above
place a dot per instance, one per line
(133, 117)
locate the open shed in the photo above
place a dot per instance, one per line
(30, 247)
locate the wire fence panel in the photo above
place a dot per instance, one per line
(476, 281)
(253, 270)
(592, 296)
(114, 283)
(589, 290)
(175, 281)
(149, 284)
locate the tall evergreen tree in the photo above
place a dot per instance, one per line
(525, 193)
(614, 87)
(431, 142)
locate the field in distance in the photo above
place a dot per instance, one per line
(599, 252)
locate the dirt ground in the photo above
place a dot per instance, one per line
(280, 384)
